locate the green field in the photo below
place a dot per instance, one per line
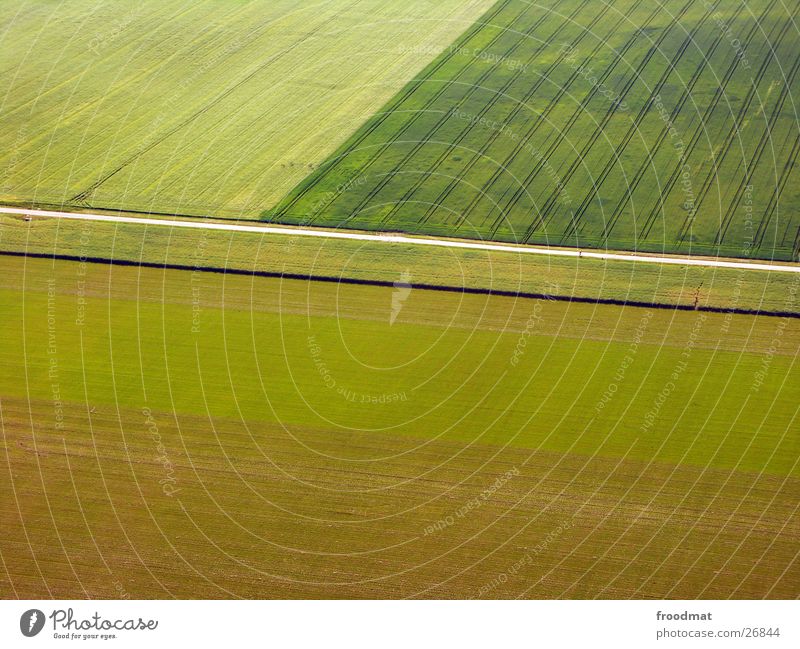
(362, 260)
(289, 416)
(625, 125)
(629, 127)
(203, 107)
(202, 435)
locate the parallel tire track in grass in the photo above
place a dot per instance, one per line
(733, 133)
(468, 127)
(478, 155)
(417, 114)
(750, 167)
(538, 122)
(421, 142)
(546, 211)
(539, 119)
(415, 178)
(634, 127)
(700, 129)
(772, 206)
(646, 164)
(352, 145)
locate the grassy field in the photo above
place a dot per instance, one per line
(623, 124)
(197, 434)
(498, 271)
(178, 433)
(207, 107)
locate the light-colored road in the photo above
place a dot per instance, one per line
(412, 241)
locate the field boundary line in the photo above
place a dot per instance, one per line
(444, 288)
